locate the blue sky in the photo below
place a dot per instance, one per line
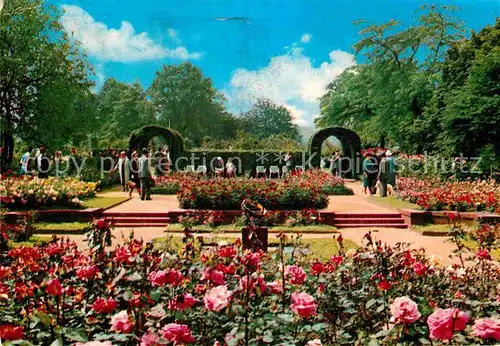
(287, 51)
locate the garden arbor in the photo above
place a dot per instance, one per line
(140, 138)
(351, 147)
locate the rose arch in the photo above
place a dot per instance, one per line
(140, 138)
(351, 147)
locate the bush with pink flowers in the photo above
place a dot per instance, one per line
(135, 295)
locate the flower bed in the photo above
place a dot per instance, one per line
(330, 185)
(134, 295)
(30, 193)
(476, 195)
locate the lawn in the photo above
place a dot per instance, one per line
(392, 202)
(34, 240)
(103, 202)
(319, 248)
(177, 227)
(61, 227)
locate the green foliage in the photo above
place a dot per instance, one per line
(44, 78)
(122, 109)
(266, 119)
(248, 141)
(187, 101)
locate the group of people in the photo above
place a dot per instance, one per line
(135, 173)
(35, 162)
(379, 172)
(227, 170)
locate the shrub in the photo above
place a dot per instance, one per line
(33, 192)
(373, 295)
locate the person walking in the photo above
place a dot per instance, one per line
(43, 163)
(145, 175)
(288, 164)
(26, 162)
(123, 167)
(135, 182)
(383, 175)
(370, 172)
(391, 179)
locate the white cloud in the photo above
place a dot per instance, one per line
(173, 35)
(290, 80)
(306, 38)
(99, 78)
(121, 45)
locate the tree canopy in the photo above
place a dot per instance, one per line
(44, 84)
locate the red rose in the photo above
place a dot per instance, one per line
(419, 268)
(102, 223)
(11, 332)
(483, 254)
(337, 260)
(317, 268)
(303, 304)
(104, 306)
(54, 288)
(87, 272)
(384, 285)
(296, 274)
(178, 333)
(227, 251)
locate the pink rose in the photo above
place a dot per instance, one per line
(149, 339)
(404, 310)
(214, 276)
(256, 282)
(121, 322)
(163, 277)
(315, 342)
(275, 287)
(178, 333)
(419, 268)
(303, 304)
(182, 302)
(443, 322)
(487, 328)
(296, 274)
(217, 298)
(483, 254)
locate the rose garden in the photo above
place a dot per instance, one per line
(129, 218)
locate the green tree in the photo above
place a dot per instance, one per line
(386, 96)
(123, 108)
(464, 113)
(44, 86)
(266, 118)
(188, 102)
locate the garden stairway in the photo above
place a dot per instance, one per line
(372, 220)
(130, 219)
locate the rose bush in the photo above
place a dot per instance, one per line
(433, 194)
(33, 192)
(135, 295)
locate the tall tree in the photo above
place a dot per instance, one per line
(385, 97)
(188, 102)
(464, 113)
(44, 83)
(266, 118)
(123, 108)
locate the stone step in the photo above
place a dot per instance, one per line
(136, 220)
(383, 225)
(368, 221)
(366, 215)
(138, 214)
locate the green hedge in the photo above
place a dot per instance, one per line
(245, 161)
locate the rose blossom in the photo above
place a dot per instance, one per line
(182, 302)
(315, 342)
(178, 333)
(121, 322)
(487, 328)
(214, 276)
(54, 288)
(11, 332)
(149, 339)
(443, 322)
(404, 310)
(227, 251)
(296, 274)
(87, 272)
(104, 306)
(163, 277)
(303, 304)
(275, 287)
(419, 268)
(483, 254)
(217, 298)
(317, 268)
